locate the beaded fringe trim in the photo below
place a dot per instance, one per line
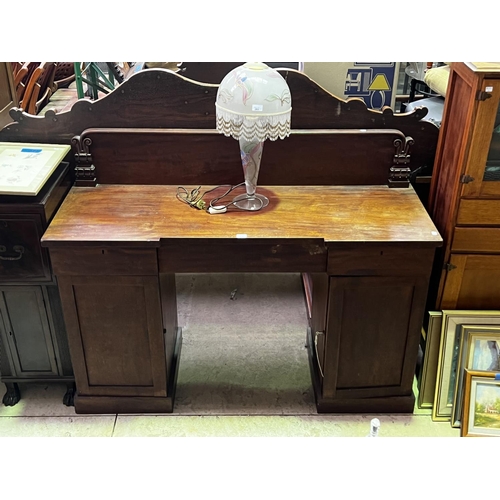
(255, 128)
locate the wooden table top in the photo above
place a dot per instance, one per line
(137, 214)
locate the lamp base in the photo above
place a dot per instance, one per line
(253, 203)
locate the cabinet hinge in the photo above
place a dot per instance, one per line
(449, 267)
(481, 95)
(465, 179)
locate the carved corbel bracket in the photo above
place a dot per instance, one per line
(399, 173)
(84, 169)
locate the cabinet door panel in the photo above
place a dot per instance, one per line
(373, 331)
(474, 282)
(115, 334)
(28, 333)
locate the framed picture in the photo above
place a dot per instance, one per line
(481, 404)
(25, 167)
(449, 349)
(427, 377)
(479, 351)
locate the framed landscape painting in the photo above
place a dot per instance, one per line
(481, 415)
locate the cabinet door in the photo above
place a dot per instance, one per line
(372, 336)
(115, 334)
(473, 282)
(27, 334)
(483, 161)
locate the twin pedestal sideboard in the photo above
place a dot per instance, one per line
(342, 213)
(367, 252)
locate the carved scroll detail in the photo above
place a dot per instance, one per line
(84, 169)
(399, 173)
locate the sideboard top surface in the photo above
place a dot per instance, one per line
(144, 215)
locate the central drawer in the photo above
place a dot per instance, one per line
(242, 255)
(104, 261)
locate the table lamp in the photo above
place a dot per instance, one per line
(253, 104)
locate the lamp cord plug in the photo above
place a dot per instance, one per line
(194, 198)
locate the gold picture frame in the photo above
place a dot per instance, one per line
(481, 416)
(474, 340)
(428, 373)
(449, 349)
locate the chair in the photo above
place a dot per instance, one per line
(20, 78)
(64, 75)
(39, 88)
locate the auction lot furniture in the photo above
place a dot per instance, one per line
(118, 241)
(342, 212)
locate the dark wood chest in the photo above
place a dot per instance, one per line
(33, 345)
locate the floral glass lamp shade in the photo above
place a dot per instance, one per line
(253, 104)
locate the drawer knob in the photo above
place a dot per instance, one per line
(18, 249)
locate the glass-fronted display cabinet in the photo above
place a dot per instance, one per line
(465, 191)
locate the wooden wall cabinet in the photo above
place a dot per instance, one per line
(33, 344)
(465, 191)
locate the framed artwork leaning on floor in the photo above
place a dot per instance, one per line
(481, 404)
(449, 350)
(427, 376)
(479, 351)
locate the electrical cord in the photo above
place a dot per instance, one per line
(194, 198)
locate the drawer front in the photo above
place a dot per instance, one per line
(366, 259)
(479, 213)
(205, 256)
(21, 256)
(476, 240)
(104, 261)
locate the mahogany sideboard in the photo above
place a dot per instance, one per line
(120, 238)
(157, 129)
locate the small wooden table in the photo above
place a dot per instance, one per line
(367, 250)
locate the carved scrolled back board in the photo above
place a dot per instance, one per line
(161, 99)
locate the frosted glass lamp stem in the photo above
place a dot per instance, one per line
(251, 155)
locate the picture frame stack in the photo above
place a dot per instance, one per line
(460, 374)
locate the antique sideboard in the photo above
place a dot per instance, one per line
(343, 213)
